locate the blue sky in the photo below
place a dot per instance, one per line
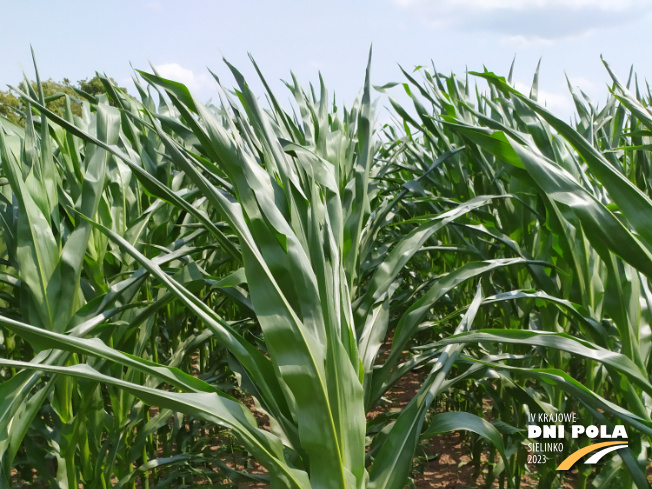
(73, 39)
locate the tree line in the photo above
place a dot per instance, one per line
(14, 109)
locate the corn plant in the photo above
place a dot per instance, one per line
(313, 264)
(582, 206)
(319, 273)
(62, 276)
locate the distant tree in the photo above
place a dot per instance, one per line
(12, 107)
(9, 106)
(94, 86)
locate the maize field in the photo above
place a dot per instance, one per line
(231, 294)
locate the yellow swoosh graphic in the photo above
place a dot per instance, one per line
(575, 456)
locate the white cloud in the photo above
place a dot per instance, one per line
(528, 20)
(559, 103)
(521, 41)
(195, 82)
(521, 5)
(155, 5)
(594, 89)
(587, 85)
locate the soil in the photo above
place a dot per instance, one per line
(443, 463)
(446, 462)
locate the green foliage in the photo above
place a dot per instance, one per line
(55, 94)
(265, 278)
(9, 105)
